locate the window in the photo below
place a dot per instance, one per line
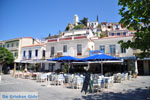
(30, 54)
(118, 34)
(123, 50)
(79, 49)
(112, 49)
(117, 27)
(0, 45)
(124, 33)
(36, 53)
(24, 54)
(43, 53)
(17, 44)
(52, 51)
(15, 54)
(65, 48)
(12, 45)
(112, 34)
(92, 24)
(102, 48)
(51, 67)
(7, 45)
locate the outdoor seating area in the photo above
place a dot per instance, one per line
(74, 81)
(93, 81)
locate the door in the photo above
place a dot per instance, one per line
(140, 67)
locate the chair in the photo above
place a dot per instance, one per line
(78, 81)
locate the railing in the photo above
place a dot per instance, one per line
(67, 38)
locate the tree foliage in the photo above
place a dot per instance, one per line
(136, 14)
(84, 21)
(6, 57)
(67, 28)
(80, 26)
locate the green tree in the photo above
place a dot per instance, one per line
(67, 28)
(136, 14)
(6, 57)
(80, 26)
(84, 21)
(66, 68)
(102, 35)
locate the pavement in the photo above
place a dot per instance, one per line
(135, 89)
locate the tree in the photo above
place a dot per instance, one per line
(80, 26)
(136, 14)
(67, 28)
(84, 21)
(6, 57)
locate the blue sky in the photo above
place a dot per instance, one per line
(38, 18)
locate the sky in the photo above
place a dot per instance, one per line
(38, 18)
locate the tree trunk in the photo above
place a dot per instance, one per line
(1, 68)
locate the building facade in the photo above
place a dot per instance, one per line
(15, 46)
(35, 51)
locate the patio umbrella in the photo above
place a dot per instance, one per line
(67, 59)
(101, 58)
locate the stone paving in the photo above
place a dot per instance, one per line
(135, 89)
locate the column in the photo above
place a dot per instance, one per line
(136, 69)
(14, 70)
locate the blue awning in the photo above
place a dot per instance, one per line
(65, 58)
(99, 57)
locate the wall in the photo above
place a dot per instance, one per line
(112, 41)
(71, 47)
(23, 42)
(39, 48)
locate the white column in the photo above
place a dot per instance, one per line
(136, 69)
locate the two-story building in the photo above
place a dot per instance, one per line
(33, 56)
(76, 46)
(15, 46)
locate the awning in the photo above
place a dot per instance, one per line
(36, 61)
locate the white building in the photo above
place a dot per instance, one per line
(76, 46)
(110, 46)
(111, 26)
(78, 32)
(92, 24)
(34, 51)
(118, 33)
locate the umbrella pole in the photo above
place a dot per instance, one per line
(88, 66)
(101, 67)
(68, 67)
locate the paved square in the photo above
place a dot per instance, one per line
(135, 89)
